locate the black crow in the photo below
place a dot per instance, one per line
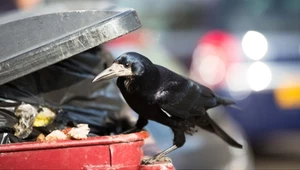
(158, 94)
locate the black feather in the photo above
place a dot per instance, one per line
(211, 126)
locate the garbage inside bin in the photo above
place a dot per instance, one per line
(66, 89)
(50, 62)
(26, 114)
(44, 117)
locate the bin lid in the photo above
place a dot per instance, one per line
(29, 44)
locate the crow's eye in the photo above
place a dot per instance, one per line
(126, 64)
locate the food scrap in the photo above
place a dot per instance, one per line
(26, 114)
(79, 132)
(56, 135)
(41, 137)
(44, 117)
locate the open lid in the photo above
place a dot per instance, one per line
(33, 43)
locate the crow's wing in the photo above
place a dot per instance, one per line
(185, 98)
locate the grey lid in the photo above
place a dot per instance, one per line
(33, 43)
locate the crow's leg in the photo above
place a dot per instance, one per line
(179, 140)
(140, 124)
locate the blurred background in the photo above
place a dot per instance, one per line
(248, 50)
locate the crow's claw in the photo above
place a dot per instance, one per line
(155, 159)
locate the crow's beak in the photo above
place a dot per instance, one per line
(115, 70)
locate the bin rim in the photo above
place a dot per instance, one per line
(91, 141)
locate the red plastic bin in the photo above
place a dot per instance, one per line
(104, 152)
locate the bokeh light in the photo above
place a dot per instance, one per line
(212, 69)
(259, 76)
(255, 45)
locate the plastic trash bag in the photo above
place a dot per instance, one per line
(67, 88)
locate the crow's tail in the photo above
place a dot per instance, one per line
(211, 126)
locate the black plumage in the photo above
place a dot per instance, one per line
(158, 94)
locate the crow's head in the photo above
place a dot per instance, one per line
(130, 64)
